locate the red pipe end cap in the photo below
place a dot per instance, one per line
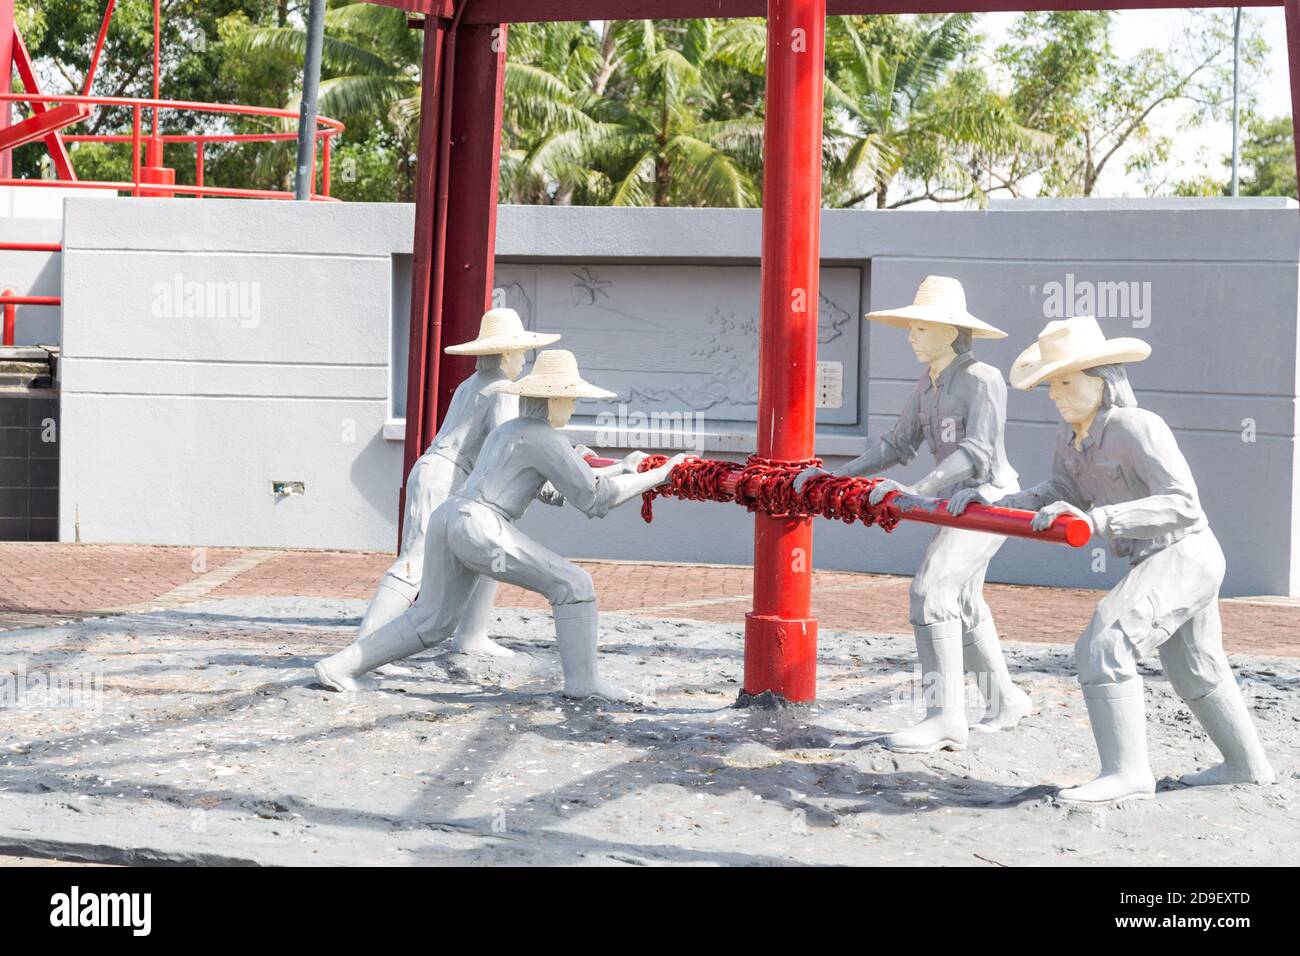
(781, 657)
(1077, 532)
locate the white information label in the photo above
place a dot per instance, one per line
(830, 384)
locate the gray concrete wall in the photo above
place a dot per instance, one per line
(213, 348)
(174, 428)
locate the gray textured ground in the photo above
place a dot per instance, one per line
(210, 744)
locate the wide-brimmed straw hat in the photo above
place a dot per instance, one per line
(554, 375)
(1072, 345)
(502, 331)
(939, 299)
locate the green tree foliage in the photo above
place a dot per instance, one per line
(1268, 156)
(643, 114)
(917, 109)
(1068, 81)
(1267, 163)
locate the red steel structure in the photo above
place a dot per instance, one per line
(464, 69)
(51, 115)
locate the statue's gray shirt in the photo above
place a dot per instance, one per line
(475, 410)
(1131, 477)
(964, 409)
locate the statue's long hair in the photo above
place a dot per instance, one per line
(1118, 392)
(962, 342)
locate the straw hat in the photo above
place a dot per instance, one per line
(1071, 345)
(554, 375)
(939, 299)
(502, 331)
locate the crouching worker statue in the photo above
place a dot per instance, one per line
(1118, 467)
(475, 410)
(473, 534)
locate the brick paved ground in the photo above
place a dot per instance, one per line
(44, 582)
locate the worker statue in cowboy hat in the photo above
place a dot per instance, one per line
(475, 410)
(958, 409)
(473, 535)
(1119, 468)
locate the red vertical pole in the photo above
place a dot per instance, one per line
(473, 181)
(1293, 64)
(780, 632)
(426, 198)
(11, 310)
(6, 79)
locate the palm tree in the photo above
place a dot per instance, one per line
(370, 68)
(902, 105)
(644, 117)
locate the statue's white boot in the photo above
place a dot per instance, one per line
(1223, 714)
(576, 632)
(392, 642)
(1007, 704)
(943, 682)
(392, 599)
(471, 634)
(1119, 725)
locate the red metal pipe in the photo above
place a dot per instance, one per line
(1013, 522)
(426, 179)
(135, 150)
(780, 631)
(99, 48)
(157, 58)
(11, 309)
(325, 164)
(7, 34)
(1293, 60)
(30, 247)
(438, 263)
(521, 11)
(474, 133)
(195, 105)
(8, 297)
(229, 192)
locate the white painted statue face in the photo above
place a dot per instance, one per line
(1077, 395)
(931, 341)
(512, 363)
(559, 411)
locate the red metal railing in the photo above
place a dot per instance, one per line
(10, 300)
(147, 145)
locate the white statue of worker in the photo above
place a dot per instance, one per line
(475, 410)
(1119, 468)
(958, 409)
(473, 534)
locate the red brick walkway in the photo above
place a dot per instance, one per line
(40, 583)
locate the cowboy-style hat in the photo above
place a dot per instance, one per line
(554, 375)
(1071, 345)
(939, 299)
(501, 330)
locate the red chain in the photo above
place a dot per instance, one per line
(767, 485)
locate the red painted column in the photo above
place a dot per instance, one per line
(780, 632)
(473, 181)
(426, 199)
(1293, 63)
(6, 78)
